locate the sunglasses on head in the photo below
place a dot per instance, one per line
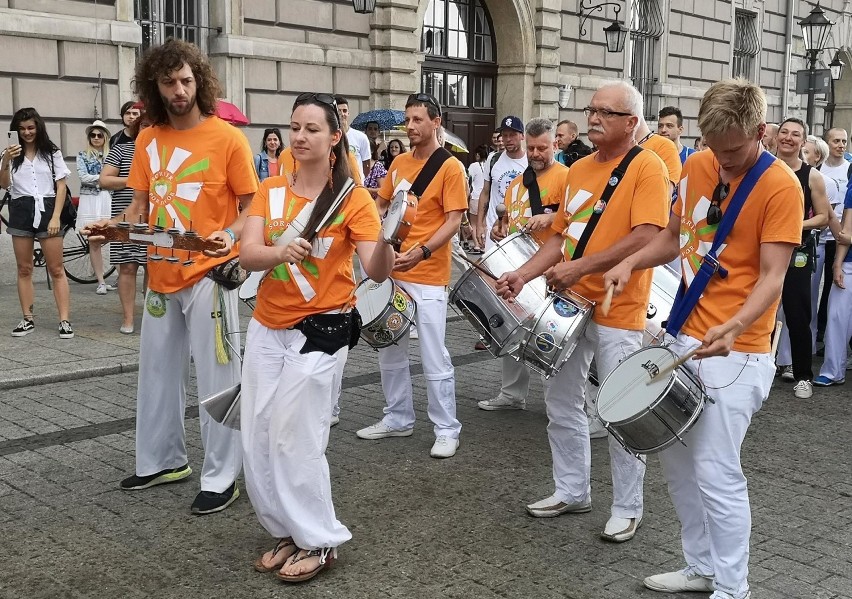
(421, 97)
(326, 99)
(714, 213)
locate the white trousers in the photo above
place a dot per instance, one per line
(431, 321)
(838, 327)
(285, 416)
(516, 380)
(785, 351)
(490, 219)
(705, 477)
(176, 326)
(568, 426)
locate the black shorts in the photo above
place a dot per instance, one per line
(21, 213)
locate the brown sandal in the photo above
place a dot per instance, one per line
(326, 555)
(284, 546)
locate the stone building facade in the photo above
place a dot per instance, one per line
(73, 59)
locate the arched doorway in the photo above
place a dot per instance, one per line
(460, 68)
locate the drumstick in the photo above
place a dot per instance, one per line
(775, 339)
(607, 301)
(478, 267)
(677, 363)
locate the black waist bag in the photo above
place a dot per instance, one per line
(229, 275)
(329, 333)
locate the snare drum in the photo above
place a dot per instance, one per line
(401, 214)
(554, 332)
(387, 312)
(248, 290)
(644, 415)
(495, 319)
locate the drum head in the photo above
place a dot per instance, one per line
(372, 299)
(395, 212)
(627, 391)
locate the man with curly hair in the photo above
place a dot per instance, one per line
(191, 171)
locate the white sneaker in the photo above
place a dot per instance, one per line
(102, 289)
(335, 420)
(721, 595)
(596, 429)
(444, 447)
(849, 363)
(787, 373)
(112, 286)
(619, 530)
(380, 430)
(550, 507)
(686, 580)
(803, 389)
(502, 403)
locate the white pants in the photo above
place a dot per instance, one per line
(490, 219)
(516, 380)
(431, 321)
(705, 477)
(568, 426)
(285, 416)
(838, 327)
(175, 326)
(785, 352)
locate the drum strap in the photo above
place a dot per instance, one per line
(616, 177)
(687, 299)
(530, 180)
(430, 169)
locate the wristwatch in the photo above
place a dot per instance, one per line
(426, 252)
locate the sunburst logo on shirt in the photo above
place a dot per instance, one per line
(696, 235)
(170, 196)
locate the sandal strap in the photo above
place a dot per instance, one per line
(282, 543)
(321, 553)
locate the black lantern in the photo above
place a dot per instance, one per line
(836, 67)
(364, 7)
(616, 35)
(815, 30)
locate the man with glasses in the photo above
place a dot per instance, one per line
(608, 225)
(732, 322)
(422, 269)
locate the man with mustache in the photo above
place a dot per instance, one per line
(595, 229)
(191, 170)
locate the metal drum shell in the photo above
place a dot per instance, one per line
(391, 323)
(663, 421)
(497, 321)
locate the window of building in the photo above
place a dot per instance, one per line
(162, 19)
(746, 44)
(645, 33)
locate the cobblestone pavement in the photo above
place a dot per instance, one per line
(421, 527)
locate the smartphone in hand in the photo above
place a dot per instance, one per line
(14, 140)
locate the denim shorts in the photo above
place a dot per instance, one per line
(21, 213)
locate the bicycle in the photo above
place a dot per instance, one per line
(75, 252)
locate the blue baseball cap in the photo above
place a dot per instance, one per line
(513, 123)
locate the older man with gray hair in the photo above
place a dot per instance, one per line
(618, 199)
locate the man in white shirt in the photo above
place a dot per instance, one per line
(359, 143)
(499, 172)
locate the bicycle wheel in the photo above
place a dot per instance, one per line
(75, 256)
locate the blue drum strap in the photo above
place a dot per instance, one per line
(686, 300)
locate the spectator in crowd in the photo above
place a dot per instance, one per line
(670, 125)
(769, 137)
(380, 167)
(571, 148)
(266, 162)
(127, 256)
(359, 144)
(496, 142)
(34, 172)
(129, 113)
(377, 146)
(95, 203)
(476, 176)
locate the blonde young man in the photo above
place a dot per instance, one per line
(422, 268)
(636, 212)
(551, 178)
(730, 325)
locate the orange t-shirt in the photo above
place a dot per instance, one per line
(772, 213)
(447, 192)
(552, 185)
(666, 149)
(641, 198)
(323, 282)
(286, 163)
(193, 178)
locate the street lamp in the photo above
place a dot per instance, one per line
(364, 7)
(616, 35)
(836, 67)
(815, 31)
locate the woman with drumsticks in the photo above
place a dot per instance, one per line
(299, 337)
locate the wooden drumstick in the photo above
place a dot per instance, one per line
(607, 301)
(676, 364)
(775, 339)
(478, 267)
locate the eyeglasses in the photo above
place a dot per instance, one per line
(714, 212)
(421, 97)
(603, 112)
(96, 135)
